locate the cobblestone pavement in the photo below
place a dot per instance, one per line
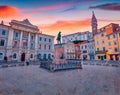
(32, 80)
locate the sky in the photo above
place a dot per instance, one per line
(67, 16)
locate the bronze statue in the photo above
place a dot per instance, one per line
(59, 38)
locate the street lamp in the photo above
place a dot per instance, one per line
(81, 57)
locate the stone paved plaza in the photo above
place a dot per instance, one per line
(32, 80)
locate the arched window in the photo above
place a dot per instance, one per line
(14, 55)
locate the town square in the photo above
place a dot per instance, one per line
(66, 47)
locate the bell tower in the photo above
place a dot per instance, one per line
(94, 24)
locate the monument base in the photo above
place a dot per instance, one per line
(58, 67)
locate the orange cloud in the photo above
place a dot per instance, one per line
(8, 11)
(66, 25)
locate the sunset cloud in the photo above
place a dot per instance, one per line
(45, 8)
(110, 6)
(66, 25)
(58, 6)
(8, 11)
(108, 20)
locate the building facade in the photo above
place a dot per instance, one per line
(84, 50)
(82, 36)
(106, 41)
(63, 52)
(91, 49)
(22, 41)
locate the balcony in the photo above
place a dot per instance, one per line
(100, 52)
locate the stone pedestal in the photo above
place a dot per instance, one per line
(59, 54)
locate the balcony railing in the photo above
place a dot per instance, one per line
(100, 52)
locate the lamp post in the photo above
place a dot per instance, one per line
(81, 57)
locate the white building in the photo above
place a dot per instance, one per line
(84, 50)
(87, 50)
(69, 50)
(65, 51)
(91, 49)
(77, 36)
(23, 41)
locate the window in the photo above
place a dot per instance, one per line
(49, 40)
(45, 39)
(97, 43)
(44, 46)
(15, 44)
(40, 39)
(98, 57)
(119, 34)
(84, 51)
(3, 32)
(49, 56)
(114, 36)
(32, 37)
(39, 46)
(16, 35)
(85, 46)
(39, 56)
(31, 56)
(2, 42)
(115, 43)
(24, 44)
(97, 49)
(102, 35)
(31, 46)
(104, 49)
(1, 55)
(105, 56)
(82, 47)
(108, 37)
(14, 55)
(49, 47)
(109, 43)
(103, 42)
(116, 49)
(44, 56)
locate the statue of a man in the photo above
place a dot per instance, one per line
(59, 38)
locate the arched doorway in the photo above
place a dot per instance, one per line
(23, 57)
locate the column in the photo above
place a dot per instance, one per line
(29, 41)
(9, 44)
(21, 34)
(36, 46)
(28, 52)
(10, 38)
(20, 46)
(36, 42)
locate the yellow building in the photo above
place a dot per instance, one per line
(107, 42)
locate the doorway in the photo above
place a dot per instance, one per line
(23, 57)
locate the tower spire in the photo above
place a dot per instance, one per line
(94, 24)
(93, 16)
